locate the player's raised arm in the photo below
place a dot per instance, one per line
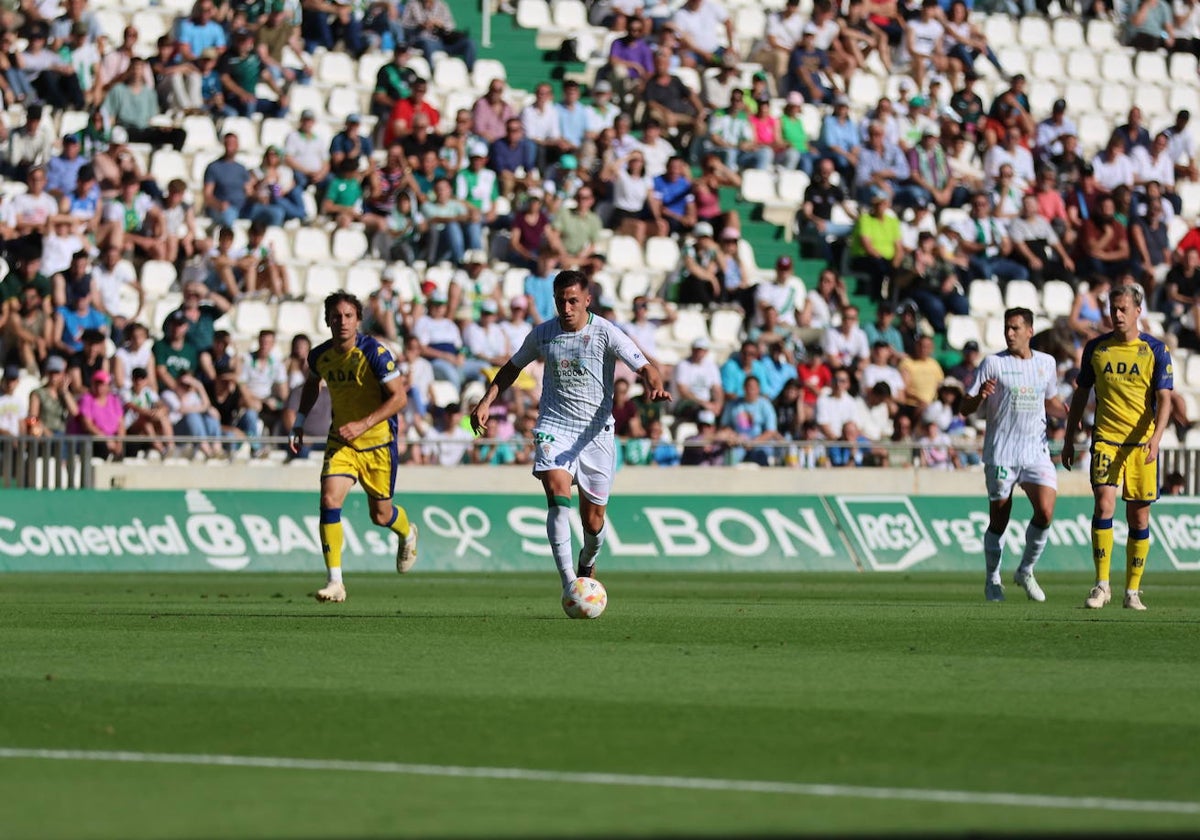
(308, 398)
(505, 377)
(652, 383)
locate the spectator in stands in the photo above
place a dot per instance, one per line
(1089, 316)
(1174, 485)
(777, 366)
(62, 171)
(784, 294)
(343, 199)
(83, 203)
(631, 187)
(196, 33)
(783, 33)
(263, 378)
(840, 139)
(242, 70)
(1182, 147)
(132, 104)
(966, 370)
(429, 25)
(672, 205)
(349, 145)
(1180, 295)
(910, 326)
(731, 135)
(275, 33)
(930, 177)
(809, 68)
(492, 113)
(1133, 132)
(441, 340)
(987, 245)
(29, 145)
(577, 232)
(201, 308)
(52, 406)
(50, 75)
(698, 382)
(514, 158)
(192, 415)
(697, 23)
(136, 351)
(879, 368)
(799, 152)
(937, 453)
(1103, 246)
(672, 103)
(837, 412)
(226, 185)
(1011, 108)
(541, 120)
(400, 122)
(883, 329)
(738, 367)
(324, 23)
(101, 414)
(406, 228)
(846, 345)
(709, 446)
(70, 323)
(1112, 167)
(486, 342)
(1150, 247)
(964, 42)
(1151, 26)
(393, 83)
(1050, 131)
(28, 329)
(717, 88)
(752, 419)
(91, 358)
(876, 248)
(275, 186)
(1011, 152)
(1154, 165)
(1037, 246)
(307, 154)
(922, 374)
(133, 223)
(31, 211)
(701, 277)
(925, 38)
(448, 219)
(146, 415)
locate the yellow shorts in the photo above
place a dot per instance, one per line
(1125, 467)
(374, 469)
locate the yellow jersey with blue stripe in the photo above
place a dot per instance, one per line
(1127, 376)
(355, 380)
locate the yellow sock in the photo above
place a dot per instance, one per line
(1137, 549)
(399, 522)
(1102, 545)
(331, 541)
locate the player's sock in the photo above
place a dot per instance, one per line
(993, 549)
(558, 530)
(591, 545)
(1137, 548)
(1102, 543)
(399, 522)
(1035, 544)
(331, 542)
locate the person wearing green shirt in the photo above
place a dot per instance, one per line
(241, 69)
(799, 154)
(875, 246)
(579, 230)
(131, 104)
(447, 218)
(343, 199)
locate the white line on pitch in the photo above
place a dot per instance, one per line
(953, 797)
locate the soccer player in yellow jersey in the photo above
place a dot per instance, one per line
(366, 392)
(1131, 372)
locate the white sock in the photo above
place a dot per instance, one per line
(591, 544)
(558, 530)
(1131, 592)
(1035, 544)
(335, 574)
(993, 548)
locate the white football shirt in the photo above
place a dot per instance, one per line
(578, 383)
(1016, 413)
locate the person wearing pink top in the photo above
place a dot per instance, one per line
(101, 414)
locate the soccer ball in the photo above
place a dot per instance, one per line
(584, 598)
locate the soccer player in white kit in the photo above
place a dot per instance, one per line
(1019, 387)
(574, 441)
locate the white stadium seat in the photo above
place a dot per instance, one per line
(983, 298)
(758, 187)
(960, 329)
(312, 245)
(337, 68)
(1068, 34)
(1058, 298)
(662, 253)
(689, 325)
(1021, 293)
(321, 281)
(294, 317)
(533, 14)
(362, 280)
(157, 278)
(349, 246)
(624, 253)
(451, 74)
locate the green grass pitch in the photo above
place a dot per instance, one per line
(870, 681)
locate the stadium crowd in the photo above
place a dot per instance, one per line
(908, 204)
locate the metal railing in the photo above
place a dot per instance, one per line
(68, 462)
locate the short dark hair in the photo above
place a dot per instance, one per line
(1019, 312)
(332, 301)
(570, 277)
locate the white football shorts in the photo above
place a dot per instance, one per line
(591, 463)
(1001, 480)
